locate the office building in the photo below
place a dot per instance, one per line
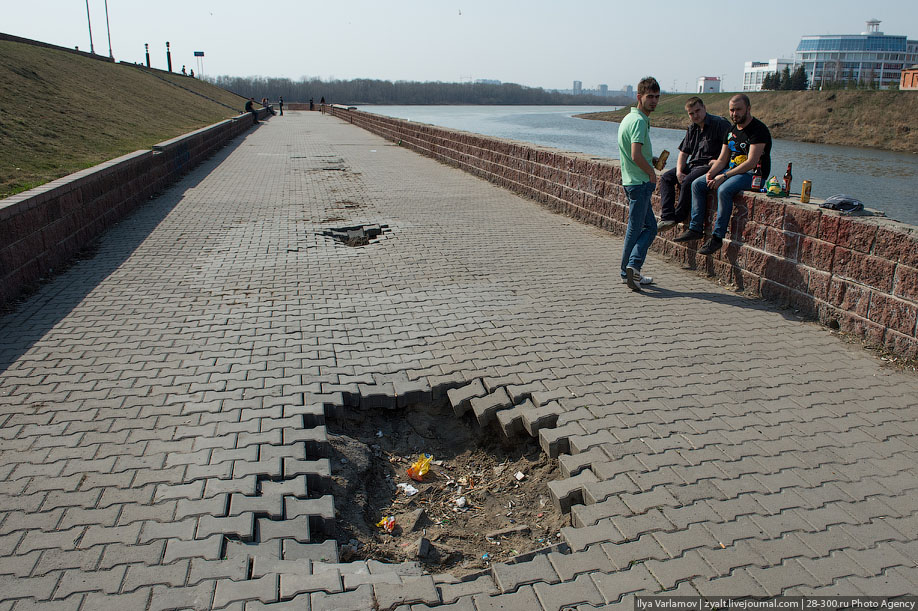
(708, 84)
(754, 72)
(868, 57)
(578, 87)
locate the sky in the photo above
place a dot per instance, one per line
(535, 43)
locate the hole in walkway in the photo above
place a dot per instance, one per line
(502, 516)
(359, 235)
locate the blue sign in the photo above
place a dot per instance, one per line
(199, 53)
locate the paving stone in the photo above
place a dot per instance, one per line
(568, 566)
(412, 590)
(587, 515)
(485, 408)
(573, 464)
(293, 584)
(559, 596)
(524, 598)
(39, 588)
(360, 598)
(452, 592)
(240, 527)
(139, 575)
(208, 548)
(199, 597)
(202, 570)
(138, 599)
(263, 589)
(74, 580)
(556, 441)
(569, 491)
(320, 511)
(509, 577)
(634, 580)
(536, 418)
(460, 398)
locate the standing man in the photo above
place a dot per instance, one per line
(280, 103)
(699, 148)
(639, 181)
(748, 144)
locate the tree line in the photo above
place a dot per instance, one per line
(785, 81)
(370, 91)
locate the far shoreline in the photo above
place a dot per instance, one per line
(859, 119)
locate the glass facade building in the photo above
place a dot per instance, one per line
(870, 57)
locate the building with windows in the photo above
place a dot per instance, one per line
(578, 87)
(754, 72)
(869, 57)
(708, 84)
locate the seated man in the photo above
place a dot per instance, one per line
(748, 144)
(698, 150)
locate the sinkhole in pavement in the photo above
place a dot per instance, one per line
(358, 235)
(485, 498)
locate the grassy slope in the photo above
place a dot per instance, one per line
(877, 119)
(60, 112)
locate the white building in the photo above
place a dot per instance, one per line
(754, 72)
(708, 84)
(868, 57)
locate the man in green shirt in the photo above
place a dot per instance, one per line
(639, 181)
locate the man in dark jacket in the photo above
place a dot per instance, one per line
(698, 150)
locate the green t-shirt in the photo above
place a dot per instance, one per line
(634, 128)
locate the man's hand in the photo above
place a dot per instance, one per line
(715, 182)
(680, 175)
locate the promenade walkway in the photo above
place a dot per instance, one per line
(159, 399)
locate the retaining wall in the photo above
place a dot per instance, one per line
(42, 229)
(859, 275)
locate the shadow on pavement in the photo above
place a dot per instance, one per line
(33, 316)
(740, 301)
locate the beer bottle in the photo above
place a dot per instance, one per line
(787, 178)
(757, 178)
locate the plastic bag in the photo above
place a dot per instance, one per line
(387, 523)
(773, 188)
(844, 203)
(419, 469)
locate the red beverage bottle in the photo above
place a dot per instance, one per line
(757, 178)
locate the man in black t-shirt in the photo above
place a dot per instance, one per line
(747, 145)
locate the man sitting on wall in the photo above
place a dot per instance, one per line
(697, 151)
(748, 144)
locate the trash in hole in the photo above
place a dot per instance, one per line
(470, 502)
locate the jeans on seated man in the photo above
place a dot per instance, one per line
(747, 146)
(699, 148)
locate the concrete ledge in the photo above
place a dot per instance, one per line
(857, 274)
(43, 228)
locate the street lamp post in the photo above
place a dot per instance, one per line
(109, 30)
(89, 23)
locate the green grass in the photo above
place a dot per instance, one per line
(61, 112)
(875, 119)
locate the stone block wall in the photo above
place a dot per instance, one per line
(857, 274)
(43, 228)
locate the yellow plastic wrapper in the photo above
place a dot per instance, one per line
(419, 469)
(387, 523)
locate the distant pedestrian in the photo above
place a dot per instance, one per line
(312, 106)
(639, 181)
(280, 104)
(250, 107)
(183, 70)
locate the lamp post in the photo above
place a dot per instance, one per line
(146, 49)
(109, 30)
(168, 56)
(89, 23)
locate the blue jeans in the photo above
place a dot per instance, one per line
(729, 188)
(642, 226)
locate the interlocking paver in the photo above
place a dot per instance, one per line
(155, 386)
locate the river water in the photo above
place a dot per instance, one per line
(882, 180)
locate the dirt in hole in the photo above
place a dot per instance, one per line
(503, 514)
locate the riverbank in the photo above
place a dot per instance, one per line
(875, 119)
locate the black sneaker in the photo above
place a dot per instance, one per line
(689, 235)
(711, 246)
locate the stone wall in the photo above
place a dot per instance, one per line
(859, 275)
(43, 228)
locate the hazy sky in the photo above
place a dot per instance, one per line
(532, 42)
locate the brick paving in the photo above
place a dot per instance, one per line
(163, 402)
